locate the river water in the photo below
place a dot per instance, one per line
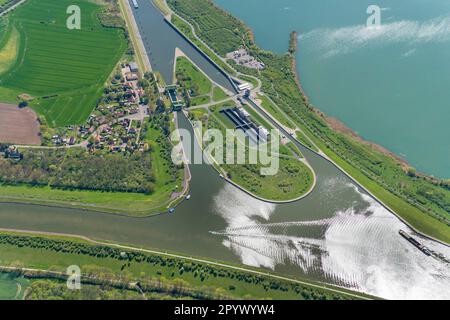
(388, 85)
(338, 234)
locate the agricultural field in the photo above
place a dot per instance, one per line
(18, 126)
(63, 70)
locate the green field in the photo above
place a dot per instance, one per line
(11, 287)
(64, 70)
(219, 94)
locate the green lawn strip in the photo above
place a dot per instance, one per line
(192, 78)
(57, 253)
(219, 94)
(257, 118)
(135, 204)
(163, 183)
(200, 100)
(199, 113)
(9, 49)
(8, 287)
(251, 80)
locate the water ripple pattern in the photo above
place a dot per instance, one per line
(357, 248)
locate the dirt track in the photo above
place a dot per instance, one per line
(18, 126)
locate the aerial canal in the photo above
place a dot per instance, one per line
(161, 40)
(337, 234)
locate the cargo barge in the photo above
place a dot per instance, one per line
(415, 243)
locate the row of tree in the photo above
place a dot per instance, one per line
(78, 169)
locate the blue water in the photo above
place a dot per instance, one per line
(391, 86)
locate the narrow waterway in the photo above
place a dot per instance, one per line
(337, 234)
(155, 30)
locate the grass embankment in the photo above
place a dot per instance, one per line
(187, 30)
(156, 273)
(275, 111)
(65, 70)
(161, 4)
(138, 46)
(249, 79)
(292, 178)
(219, 94)
(12, 287)
(422, 201)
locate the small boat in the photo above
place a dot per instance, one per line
(221, 176)
(171, 210)
(188, 197)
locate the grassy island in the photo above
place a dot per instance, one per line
(294, 178)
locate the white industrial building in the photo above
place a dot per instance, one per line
(263, 133)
